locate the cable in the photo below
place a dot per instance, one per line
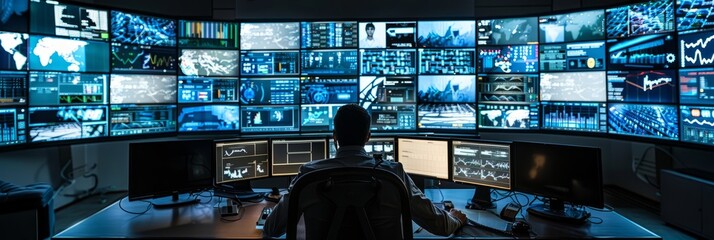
(636, 165)
(591, 217)
(148, 207)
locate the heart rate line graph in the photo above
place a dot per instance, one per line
(482, 164)
(694, 49)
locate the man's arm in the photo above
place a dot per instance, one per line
(431, 218)
(277, 222)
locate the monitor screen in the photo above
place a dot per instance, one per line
(567, 173)
(617, 22)
(257, 63)
(572, 56)
(507, 88)
(573, 86)
(329, 62)
(576, 26)
(643, 120)
(158, 169)
(56, 88)
(387, 34)
(207, 89)
(262, 91)
(508, 59)
(66, 123)
(694, 51)
(575, 116)
(241, 160)
(508, 31)
(447, 61)
(14, 56)
(482, 164)
(13, 88)
(425, 157)
(383, 146)
(139, 89)
(442, 34)
(446, 116)
(390, 101)
(256, 36)
(195, 62)
(317, 35)
(318, 117)
(16, 16)
(208, 34)
(650, 86)
(52, 18)
(60, 54)
(317, 90)
(696, 86)
(697, 124)
(12, 126)
(290, 154)
(129, 119)
(658, 51)
(144, 30)
(388, 62)
(447, 89)
(508, 116)
(129, 58)
(208, 118)
(694, 14)
(265, 119)
(639, 19)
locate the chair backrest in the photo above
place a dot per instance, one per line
(350, 203)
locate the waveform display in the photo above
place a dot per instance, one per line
(241, 160)
(127, 58)
(576, 26)
(144, 30)
(56, 88)
(388, 62)
(67, 123)
(257, 36)
(507, 31)
(12, 126)
(270, 119)
(379, 90)
(694, 14)
(13, 87)
(208, 118)
(653, 121)
(145, 119)
(14, 16)
(653, 86)
(263, 91)
(640, 19)
(289, 155)
(508, 116)
(573, 86)
(697, 124)
(65, 20)
(206, 90)
(447, 61)
(589, 117)
(696, 86)
(696, 50)
(208, 34)
(318, 117)
(437, 34)
(193, 62)
(482, 164)
(508, 59)
(139, 89)
(657, 51)
(387, 34)
(316, 90)
(316, 35)
(446, 116)
(572, 56)
(510, 88)
(447, 89)
(13, 55)
(329, 62)
(60, 54)
(257, 63)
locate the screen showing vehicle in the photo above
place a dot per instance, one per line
(388, 62)
(256, 36)
(697, 124)
(575, 116)
(577, 26)
(572, 57)
(60, 54)
(643, 120)
(507, 88)
(482, 164)
(696, 86)
(694, 51)
(56, 88)
(694, 14)
(508, 31)
(329, 62)
(390, 101)
(318, 117)
(13, 88)
(128, 58)
(15, 17)
(446, 116)
(439, 34)
(260, 63)
(195, 62)
(317, 90)
(508, 59)
(52, 18)
(13, 55)
(67, 122)
(257, 119)
(317, 35)
(144, 30)
(447, 61)
(129, 119)
(290, 154)
(658, 51)
(641, 18)
(207, 89)
(426, 157)
(447, 89)
(241, 160)
(387, 34)
(263, 91)
(208, 34)
(140, 89)
(208, 118)
(652, 86)
(508, 116)
(374, 146)
(13, 123)
(573, 86)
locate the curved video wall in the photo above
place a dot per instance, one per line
(72, 73)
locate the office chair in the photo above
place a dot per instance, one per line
(350, 203)
(26, 212)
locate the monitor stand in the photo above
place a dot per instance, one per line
(481, 199)
(173, 201)
(555, 210)
(240, 190)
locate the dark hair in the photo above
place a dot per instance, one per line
(351, 125)
(369, 25)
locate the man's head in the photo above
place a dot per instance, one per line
(351, 125)
(369, 28)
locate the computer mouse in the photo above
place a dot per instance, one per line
(521, 228)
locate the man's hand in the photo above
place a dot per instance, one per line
(458, 215)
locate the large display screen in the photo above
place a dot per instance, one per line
(208, 118)
(195, 62)
(572, 56)
(577, 26)
(694, 51)
(508, 31)
(13, 123)
(206, 90)
(652, 86)
(447, 61)
(145, 119)
(267, 63)
(329, 35)
(447, 89)
(446, 116)
(642, 18)
(573, 86)
(694, 14)
(387, 34)
(13, 55)
(65, 20)
(15, 16)
(697, 124)
(696, 86)
(56, 88)
(388, 62)
(656, 51)
(129, 58)
(65, 123)
(508, 116)
(440, 34)
(329, 62)
(640, 120)
(141, 89)
(256, 36)
(144, 30)
(260, 119)
(570, 116)
(508, 88)
(377, 90)
(508, 59)
(263, 91)
(318, 117)
(60, 54)
(13, 88)
(205, 34)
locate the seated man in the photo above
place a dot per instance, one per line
(352, 124)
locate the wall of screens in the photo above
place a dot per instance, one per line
(73, 72)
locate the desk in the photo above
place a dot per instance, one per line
(204, 221)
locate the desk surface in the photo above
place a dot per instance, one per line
(204, 221)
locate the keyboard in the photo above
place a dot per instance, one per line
(490, 222)
(263, 216)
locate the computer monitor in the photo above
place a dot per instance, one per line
(289, 155)
(169, 168)
(424, 156)
(383, 146)
(561, 173)
(237, 162)
(483, 164)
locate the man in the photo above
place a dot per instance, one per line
(352, 124)
(369, 40)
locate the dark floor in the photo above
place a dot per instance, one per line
(637, 209)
